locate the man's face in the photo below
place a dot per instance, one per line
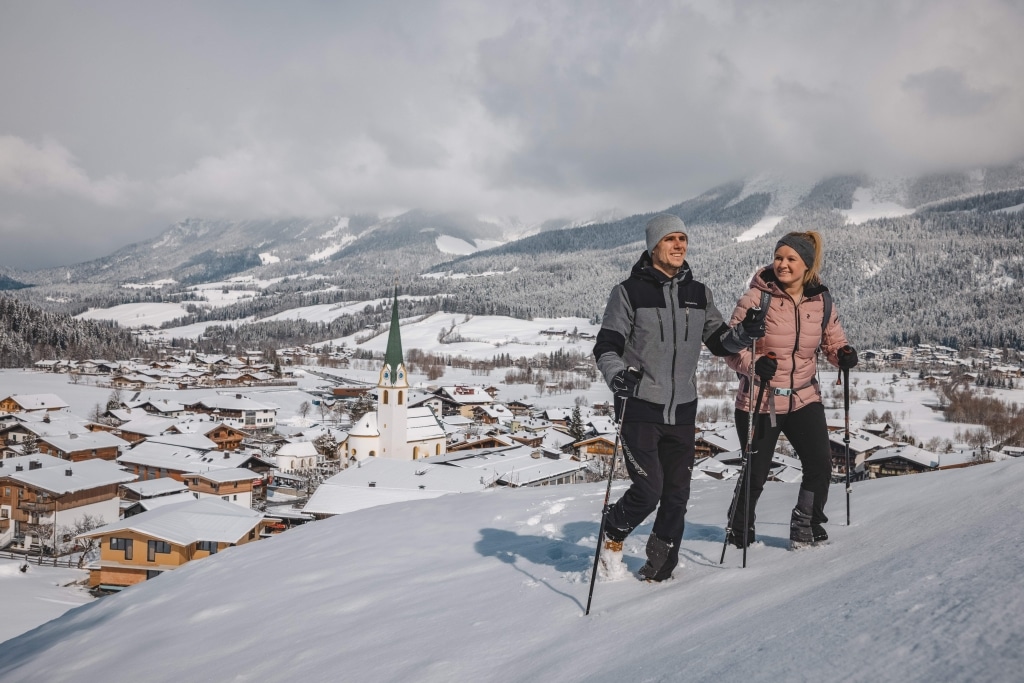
(670, 252)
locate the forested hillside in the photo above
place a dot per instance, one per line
(28, 334)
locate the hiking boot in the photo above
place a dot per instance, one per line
(735, 537)
(610, 566)
(658, 552)
(819, 533)
(800, 533)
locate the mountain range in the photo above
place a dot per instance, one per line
(934, 258)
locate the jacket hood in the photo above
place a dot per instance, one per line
(644, 269)
(764, 279)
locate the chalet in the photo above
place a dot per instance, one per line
(520, 466)
(78, 447)
(143, 427)
(471, 442)
(239, 410)
(710, 443)
(162, 407)
(224, 436)
(41, 496)
(234, 485)
(464, 397)
(519, 408)
(597, 447)
(154, 488)
(492, 414)
(862, 445)
(26, 403)
(143, 546)
(900, 459)
(156, 460)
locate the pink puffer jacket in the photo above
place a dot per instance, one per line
(794, 333)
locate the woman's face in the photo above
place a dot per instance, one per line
(789, 267)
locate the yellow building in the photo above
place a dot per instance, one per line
(144, 546)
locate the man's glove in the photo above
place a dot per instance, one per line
(625, 382)
(847, 357)
(765, 368)
(753, 322)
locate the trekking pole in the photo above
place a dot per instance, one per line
(604, 509)
(744, 481)
(846, 438)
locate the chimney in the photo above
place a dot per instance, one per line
(34, 465)
(67, 472)
(238, 396)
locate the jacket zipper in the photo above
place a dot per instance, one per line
(672, 396)
(796, 347)
(661, 325)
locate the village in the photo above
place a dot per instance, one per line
(144, 484)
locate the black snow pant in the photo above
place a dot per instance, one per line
(659, 459)
(808, 434)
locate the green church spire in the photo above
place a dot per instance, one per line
(393, 354)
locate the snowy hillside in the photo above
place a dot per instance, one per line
(925, 586)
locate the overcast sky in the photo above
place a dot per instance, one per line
(119, 119)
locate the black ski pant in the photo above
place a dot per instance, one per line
(808, 434)
(659, 459)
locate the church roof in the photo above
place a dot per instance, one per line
(393, 354)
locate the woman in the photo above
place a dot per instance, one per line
(796, 328)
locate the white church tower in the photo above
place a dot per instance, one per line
(392, 397)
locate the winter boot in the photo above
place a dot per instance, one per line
(657, 567)
(611, 566)
(819, 533)
(735, 536)
(800, 533)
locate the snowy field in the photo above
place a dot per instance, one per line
(37, 595)
(924, 586)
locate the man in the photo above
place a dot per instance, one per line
(647, 351)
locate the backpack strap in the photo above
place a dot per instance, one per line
(826, 301)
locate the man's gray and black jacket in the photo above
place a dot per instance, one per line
(657, 324)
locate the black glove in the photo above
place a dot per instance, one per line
(625, 382)
(753, 322)
(765, 368)
(847, 357)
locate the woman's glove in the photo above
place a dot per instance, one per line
(765, 368)
(847, 357)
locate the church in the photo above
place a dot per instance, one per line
(394, 431)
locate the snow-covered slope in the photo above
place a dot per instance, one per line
(925, 586)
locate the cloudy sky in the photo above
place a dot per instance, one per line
(120, 118)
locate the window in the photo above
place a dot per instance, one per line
(385, 397)
(208, 546)
(122, 544)
(157, 547)
(252, 534)
(400, 397)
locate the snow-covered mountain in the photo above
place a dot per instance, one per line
(924, 586)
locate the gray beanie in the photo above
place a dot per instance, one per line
(801, 245)
(661, 225)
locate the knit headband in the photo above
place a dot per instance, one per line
(801, 245)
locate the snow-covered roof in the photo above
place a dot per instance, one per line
(726, 439)
(156, 487)
(859, 441)
(392, 481)
(228, 475)
(907, 452)
(205, 519)
(87, 441)
(234, 402)
(195, 441)
(181, 458)
(421, 424)
(71, 477)
(297, 449)
(38, 401)
(147, 425)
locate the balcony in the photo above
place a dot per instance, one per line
(36, 506)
